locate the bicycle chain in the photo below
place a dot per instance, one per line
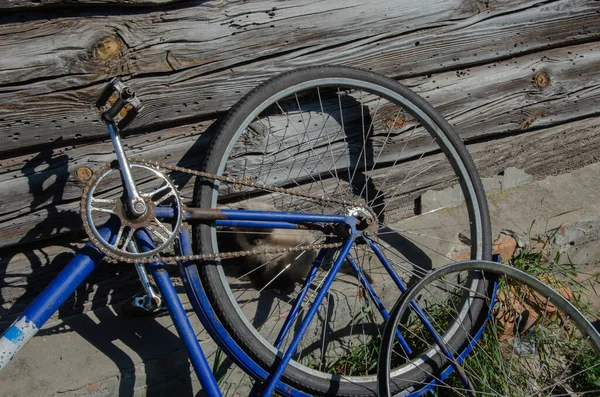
(203, 257)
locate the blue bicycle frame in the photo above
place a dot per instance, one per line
(34, 317)
(82, 265)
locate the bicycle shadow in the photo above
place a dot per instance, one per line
(46, 187)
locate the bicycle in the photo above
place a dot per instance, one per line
(323, 166)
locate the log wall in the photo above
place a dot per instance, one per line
(519, 80)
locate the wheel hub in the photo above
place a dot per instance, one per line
(366, 219)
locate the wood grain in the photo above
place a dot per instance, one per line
(517, 79)
(11, 5)
(28, 268)
(497, 98)
(197, 61)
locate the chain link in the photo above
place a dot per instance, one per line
(236, 182)
(111, 256)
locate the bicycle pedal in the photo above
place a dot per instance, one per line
(118, 103)
(138, 307)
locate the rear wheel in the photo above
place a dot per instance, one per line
(351, 135)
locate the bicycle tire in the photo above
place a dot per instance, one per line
(527, 315)
(263, 99)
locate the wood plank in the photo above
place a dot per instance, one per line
(49, 191)
(12, 5)
(41, 194)
(195, 67)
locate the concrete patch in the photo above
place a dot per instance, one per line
(450, 197)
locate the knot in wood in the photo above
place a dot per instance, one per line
(109, 47)
(542, 79)
(395, 122)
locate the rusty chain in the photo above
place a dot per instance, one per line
(101, 246)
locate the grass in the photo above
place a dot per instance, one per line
(555, 348)
(483, 363)
(362, 360)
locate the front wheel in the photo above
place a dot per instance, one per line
(363, 139)
(536, 342)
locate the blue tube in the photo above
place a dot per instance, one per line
(308, 319)
(53, 296)
(300, 298)
(180, 319)
(249, 215)
(63, 285)
(195, 291)
(386, 315)
(422, 316)
(257, 224)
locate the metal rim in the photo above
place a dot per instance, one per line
(395, 98)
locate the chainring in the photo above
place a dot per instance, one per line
(95, 210)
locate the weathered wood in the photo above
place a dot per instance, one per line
(50, 190)
(28, 4)
(522, 72)
(196, 61)
(41, 190)
(27, 269)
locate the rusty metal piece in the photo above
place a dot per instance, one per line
(542, 79)
(84, 174)
(208, 214)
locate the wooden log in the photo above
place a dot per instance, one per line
(28, 268)
(193, 62)
(532, 91)
(29, 4)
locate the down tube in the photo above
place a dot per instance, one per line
(180, 320)
(52, 297)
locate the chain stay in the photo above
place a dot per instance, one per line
(225, 255)
(112, 257)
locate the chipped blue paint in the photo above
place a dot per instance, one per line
(13, 334)
(59, 289)
(15, 337)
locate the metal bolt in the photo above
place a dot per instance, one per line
(127, 93)
(84, 174)
(139, 206)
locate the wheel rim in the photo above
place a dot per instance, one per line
(400, 122)
(535, 343)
